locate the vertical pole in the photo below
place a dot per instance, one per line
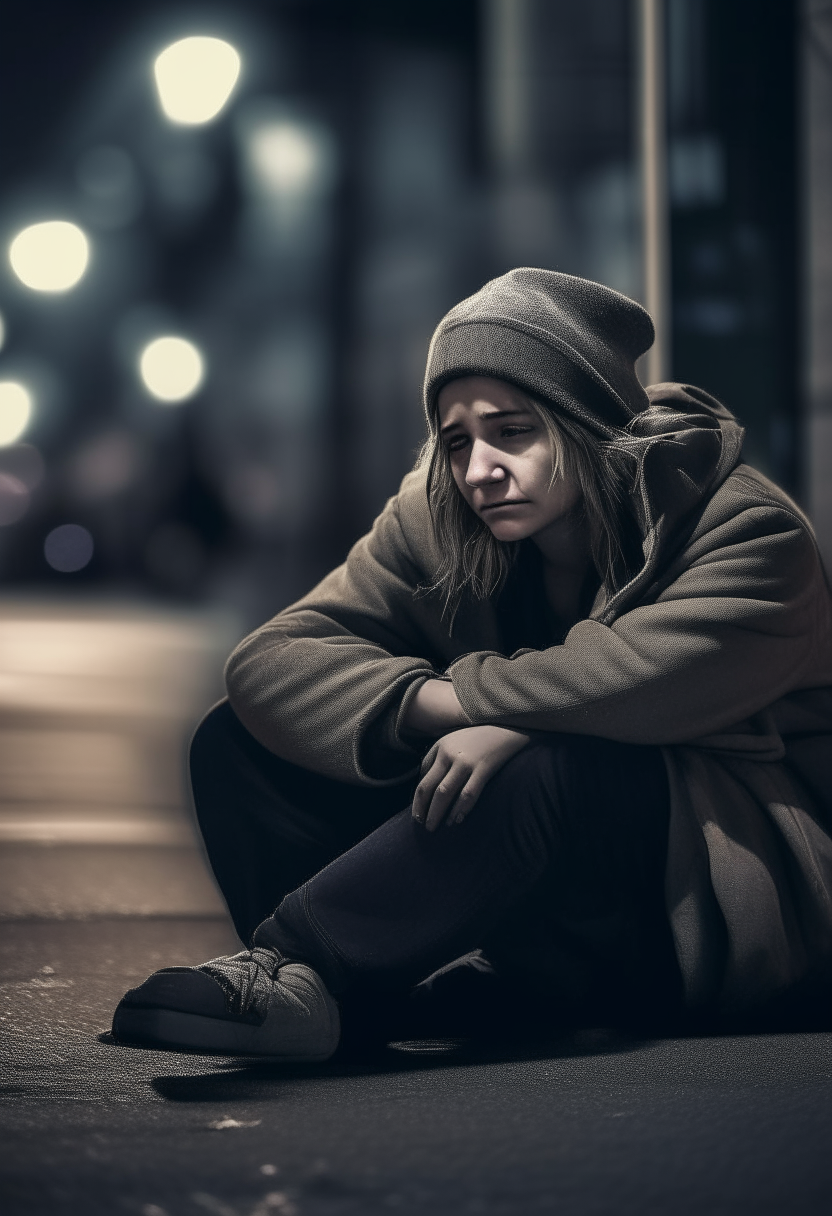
(506, 49)
(653, 165)
(816, 190)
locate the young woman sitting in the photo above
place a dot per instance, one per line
(568, 704)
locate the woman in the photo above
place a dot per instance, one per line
(606, 640)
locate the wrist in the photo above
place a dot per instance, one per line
(435, 710)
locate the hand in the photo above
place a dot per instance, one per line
(435, 710)
(458, 767)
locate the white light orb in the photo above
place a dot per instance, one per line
(15, 411)
(51, 256)
(171, 368)
(195, 78)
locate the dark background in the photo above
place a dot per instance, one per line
(315, 335)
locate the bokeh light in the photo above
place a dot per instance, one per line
(105, 466)
(171, 368)
(51, 256)
(287, 157)
(15, 410)
(14, 499)
(24, 463)
(195, 78)
(68, 548)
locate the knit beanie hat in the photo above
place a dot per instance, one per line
(566, 340)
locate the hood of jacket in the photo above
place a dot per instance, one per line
(686, 445)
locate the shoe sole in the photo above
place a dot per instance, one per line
(192, 1032)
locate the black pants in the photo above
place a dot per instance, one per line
(556, 874)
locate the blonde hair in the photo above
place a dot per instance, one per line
(474, 561)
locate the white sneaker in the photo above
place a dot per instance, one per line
(251, 1003)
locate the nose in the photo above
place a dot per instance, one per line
(484, 465)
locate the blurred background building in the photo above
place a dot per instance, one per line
(228, 230)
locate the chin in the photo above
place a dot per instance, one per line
(508, 530)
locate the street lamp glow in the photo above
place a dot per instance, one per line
(285, 157)
(51, 256)
(172, 368)
(195, 78)
(15, 411)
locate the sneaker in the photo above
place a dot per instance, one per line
(251, 1003)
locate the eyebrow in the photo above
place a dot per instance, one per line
(452, 426)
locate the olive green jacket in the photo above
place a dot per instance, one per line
(719, 651)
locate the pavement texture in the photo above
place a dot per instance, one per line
(103, 882)
(592, 1122)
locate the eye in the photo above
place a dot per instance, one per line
(511, 432)
(457, 443)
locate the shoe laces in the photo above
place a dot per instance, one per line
(247, 979)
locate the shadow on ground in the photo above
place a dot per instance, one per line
(243, 1081)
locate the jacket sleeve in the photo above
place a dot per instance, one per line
(734, 626)
(325, 683)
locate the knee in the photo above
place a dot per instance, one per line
(529, 783)
(563, 776)
(554, 769)
(559, 755)
(541, 761)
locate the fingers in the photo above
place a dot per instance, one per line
(439, 788)
(457, 769)
(454, 796)
(432, 777)
(466, 798)
(445, 795)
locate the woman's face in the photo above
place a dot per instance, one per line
(501, 458)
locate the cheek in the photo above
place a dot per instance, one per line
(458, 470)
(533, 469)
(562, 498)
(535, 480)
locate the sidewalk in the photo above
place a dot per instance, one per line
(96, 707)
(101, 882)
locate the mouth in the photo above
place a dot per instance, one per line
(506, 504)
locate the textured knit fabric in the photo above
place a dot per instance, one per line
(720, 651)
(566, 339)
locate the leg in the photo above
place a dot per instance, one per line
(572, 832)
(557, 873)
(268, 825)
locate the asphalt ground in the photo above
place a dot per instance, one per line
(102, 881)
(588, 1123)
